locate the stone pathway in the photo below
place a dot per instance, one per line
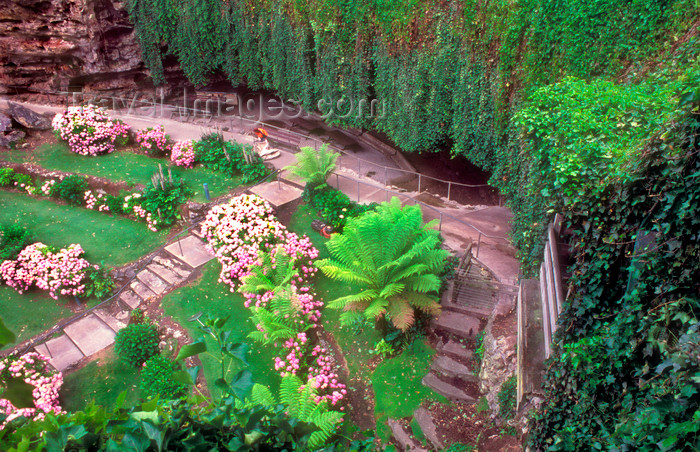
(97, 330)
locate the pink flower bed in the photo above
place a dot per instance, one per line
(89, 131)
(236, 233)
(154, 140)
(59, 272)
(33, 368)
(183, 154)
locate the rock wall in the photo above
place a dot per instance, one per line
(57, 45)
(500, 354)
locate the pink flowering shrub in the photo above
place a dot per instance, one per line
(89, 131)
(33, 368)
(60, 272)
(154, 141)
(98, 202)
(237, 233)
(183, 154)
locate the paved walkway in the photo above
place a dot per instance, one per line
(96, 331)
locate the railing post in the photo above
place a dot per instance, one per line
(449, 187)
(478, 245)
(386, 176)
(440, 225)
(337, 181)
(418, 182)
(359, 172)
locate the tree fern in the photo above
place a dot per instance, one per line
(314, 166)
(393, 259)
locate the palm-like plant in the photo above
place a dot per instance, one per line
(393, 259)
(314, 166)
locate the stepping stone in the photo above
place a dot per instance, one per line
(165, 273)
(277, 193)
(191, 251)
(170, 265)
(142, 290)
(90, 334)
(153, 282)
(427, 425)
(64, 353)
(446, 389)
(130, 298)
(453, 369)
(468, 310)
(455, 350)
(42, 349)
(459, 324)
(403, 438)
(111, 322)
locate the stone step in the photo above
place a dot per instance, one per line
(165, 273)
(453, 369)
(109, 320)
(446, 389)
(130, 298)
(171, 265)
(190, 250)
(455, 350)
(64, 353)
(461, 325)
(157, 285)
(142, 290)
(90, 334)
(478, 311)
(404, 438)
(427, 426)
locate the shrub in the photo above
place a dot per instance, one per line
(7, 177)
(183, 154)
(335, 207)
(61, 272)
(136, 343)
(31, 369)
(229, 158)
(506, 398)
(314, 166)
(26, 183)
(157, 378)
(154, 141)
(115, 204)
(13, 239)
(71, 189)
(89, 131)
(98, 282)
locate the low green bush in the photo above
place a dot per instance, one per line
(334, 206)
(136, 343)
(23, 179)
(157, 378)
(7, 177)
(162, 197)
(506, 398)
(71, 189)
(98, 282)
(115, 204)
(228, 158)
(13, 239)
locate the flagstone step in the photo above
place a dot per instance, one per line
(130, 298)
(109, 320)
(461, 325)
(453, 369)
(157, 285)
(427, 426)
(165, 273)
(190, 250)
(446, 389)
(455, 350)
(402, 437)
(90, 334)
(142, 290)
(63, 352)
(171, 265)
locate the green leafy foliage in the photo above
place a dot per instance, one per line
(625, 373)
(314, 166)
(162, 197)
(393, 259)
(13, 239)
(7, 177)
(334, 206)
(98, 282)
(506, 398)
(230, 158)
(71, 189)
(157, 378)
(136, 343)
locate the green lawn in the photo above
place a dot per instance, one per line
(29, 314)
(211, 297)
(110, 239)
(101, 380)
(121, 166)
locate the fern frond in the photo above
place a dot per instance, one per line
(400, 313)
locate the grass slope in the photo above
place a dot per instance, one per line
(101, 380)
(211, 297)
(121, 166)
(111, 239)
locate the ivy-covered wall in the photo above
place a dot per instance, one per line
(584, 107)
